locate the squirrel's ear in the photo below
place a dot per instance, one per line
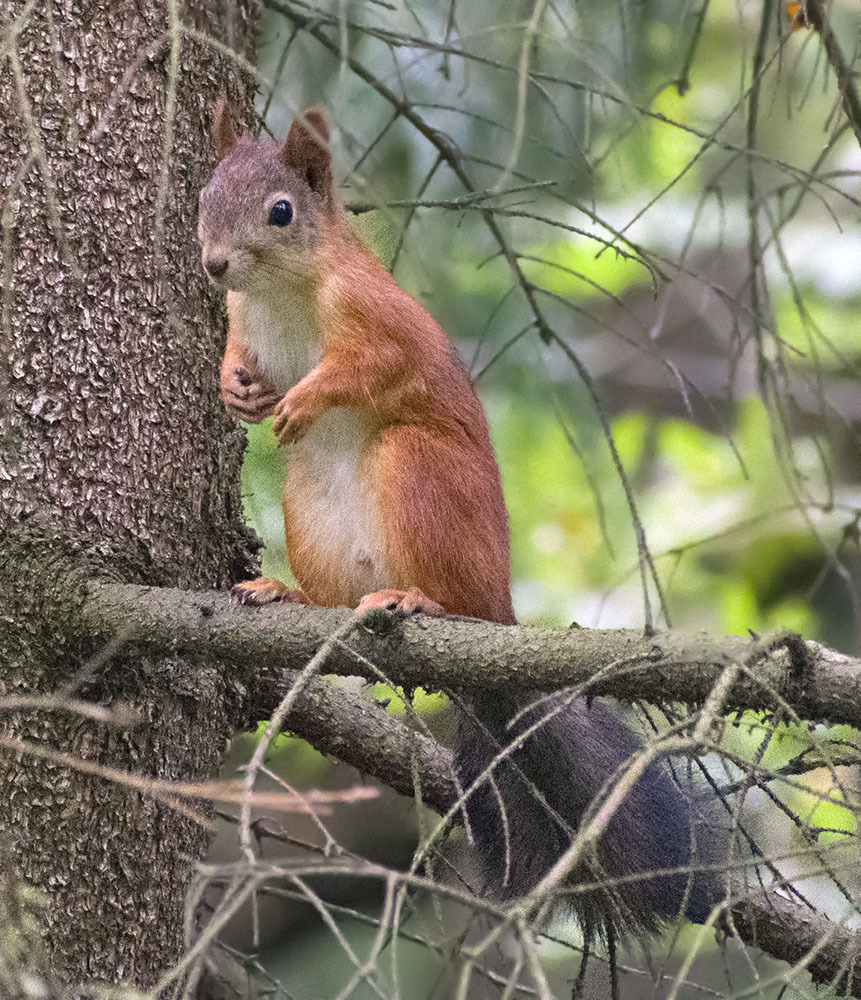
(306, 150)
(224, 135)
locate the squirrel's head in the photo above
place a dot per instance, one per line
(263, 213)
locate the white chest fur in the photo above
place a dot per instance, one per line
(327, 496)
(284, 335)
(333, 507)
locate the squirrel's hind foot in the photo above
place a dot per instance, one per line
(405, 602)
(265, 591)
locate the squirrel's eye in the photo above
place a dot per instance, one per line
(280, 214)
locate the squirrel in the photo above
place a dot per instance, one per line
(393, 500)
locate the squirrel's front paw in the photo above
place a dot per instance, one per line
(292, 420)
(250, 400)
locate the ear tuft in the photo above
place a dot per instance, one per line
(224, 134)
(316, 124)
(306, 150)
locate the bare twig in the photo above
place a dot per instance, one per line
(820, 21)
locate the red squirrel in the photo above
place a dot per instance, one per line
(393, 499)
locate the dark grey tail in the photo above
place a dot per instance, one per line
(566, 762)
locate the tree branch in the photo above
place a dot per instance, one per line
(264, 649)
(830, 952)
(351, 727)
(259, 644)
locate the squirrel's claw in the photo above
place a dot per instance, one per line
(256, 406)
(403, 602)
(289, 425)
(250, 400)
(265, 591)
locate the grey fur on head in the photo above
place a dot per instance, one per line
(251, 176)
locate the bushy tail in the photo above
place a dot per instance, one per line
(566, 762)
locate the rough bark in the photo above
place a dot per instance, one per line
(112, 439)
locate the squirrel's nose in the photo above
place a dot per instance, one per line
(215, 266)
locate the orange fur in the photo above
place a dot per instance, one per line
(392, 485)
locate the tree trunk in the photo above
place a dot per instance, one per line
(113, 443)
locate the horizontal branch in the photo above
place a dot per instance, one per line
(453, 654)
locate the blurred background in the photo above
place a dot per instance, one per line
(649, 258)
